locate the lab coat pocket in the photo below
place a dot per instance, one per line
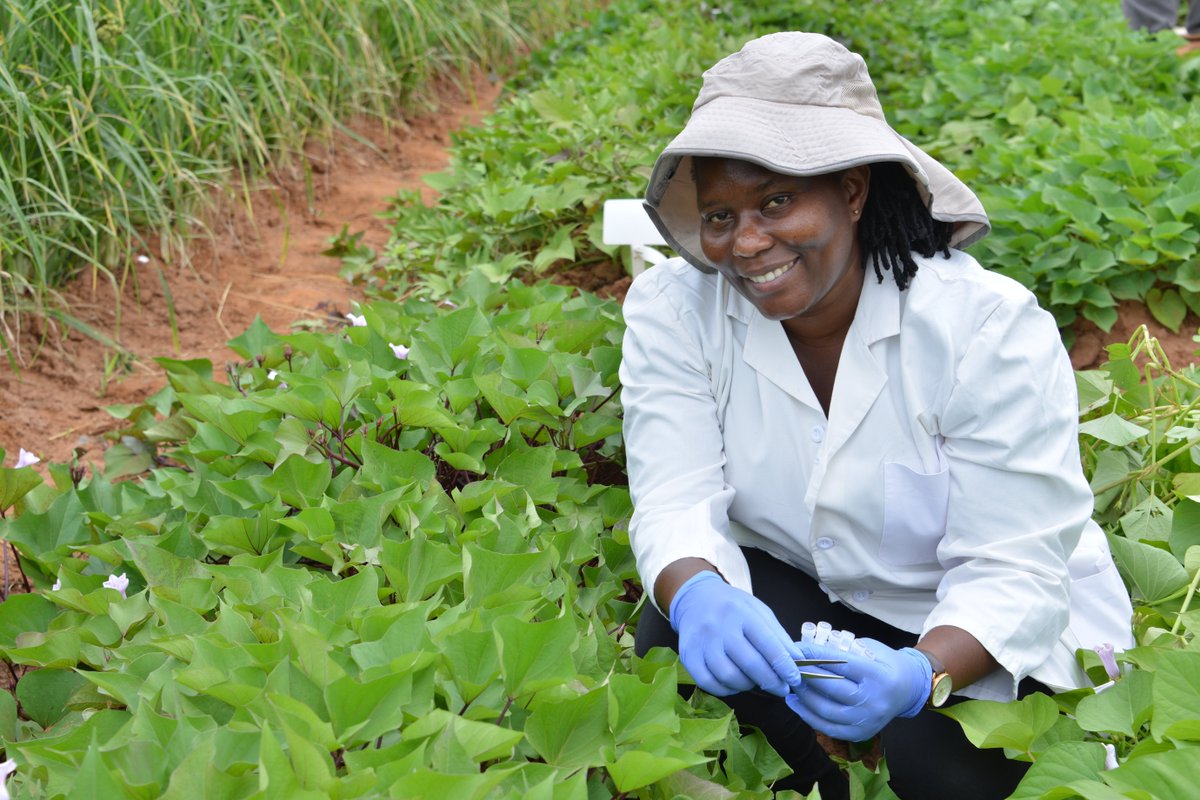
(914, 514)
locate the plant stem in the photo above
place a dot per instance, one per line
(504, 711)
(1144, 471)
(1187, 601)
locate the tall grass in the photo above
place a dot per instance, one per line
(116, 115)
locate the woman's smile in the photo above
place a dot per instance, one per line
(770, 277)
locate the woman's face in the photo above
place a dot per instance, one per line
(789, 244)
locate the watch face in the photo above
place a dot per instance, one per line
(940, 692)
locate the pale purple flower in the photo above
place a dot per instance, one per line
(118, 582)
(400, 350)
(57, 585)
(1108, 658)
(7, 768)
(1110, 757)
(271, 375)
(357, 320)
(26, 458)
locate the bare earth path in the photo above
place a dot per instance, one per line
(268, 263)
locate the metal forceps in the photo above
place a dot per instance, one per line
(818, 662)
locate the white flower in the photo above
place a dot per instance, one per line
(118, 582)
(400, 350)
(26, 458)
(57, 585)
(1110, 757)
(6, 768)
(357, 320)
(143, 259)
(271, 375)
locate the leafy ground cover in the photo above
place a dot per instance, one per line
(385, 562)
(390, 561)
(117, 118)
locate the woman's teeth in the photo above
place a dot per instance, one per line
(772, 275)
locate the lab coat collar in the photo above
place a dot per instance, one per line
(878, 314)
(860, 378)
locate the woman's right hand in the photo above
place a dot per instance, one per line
(730, 641)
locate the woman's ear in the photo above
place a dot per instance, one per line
(856, 182)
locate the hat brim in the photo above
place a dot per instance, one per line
(795, 140)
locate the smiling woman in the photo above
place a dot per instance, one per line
(808, 441)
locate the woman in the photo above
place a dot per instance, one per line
(830, 414)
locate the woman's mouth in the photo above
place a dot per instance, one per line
(779, 272)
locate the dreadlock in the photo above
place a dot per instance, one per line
(895, 222)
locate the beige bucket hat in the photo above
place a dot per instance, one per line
(798, 104)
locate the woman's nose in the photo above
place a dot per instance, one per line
(749, 239)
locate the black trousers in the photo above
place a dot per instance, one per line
(928, 756)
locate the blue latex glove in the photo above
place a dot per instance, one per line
(896, 683)
(730, 641)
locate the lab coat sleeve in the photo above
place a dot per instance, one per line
(673, 442)
(1018, 498)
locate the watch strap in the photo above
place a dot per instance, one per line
(940, 683)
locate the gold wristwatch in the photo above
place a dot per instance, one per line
(940, 684)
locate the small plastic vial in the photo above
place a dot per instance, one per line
(807, 631)
(863, 650)
(847, 641)
(834, 640)
(823, 629)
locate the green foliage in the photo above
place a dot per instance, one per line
(15, 484)
(118, 116)
(358, 575)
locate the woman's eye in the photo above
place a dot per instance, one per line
(777, 201)
(716, 217)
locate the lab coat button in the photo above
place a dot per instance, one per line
(818, 433)
(825, 543)
(861, 596)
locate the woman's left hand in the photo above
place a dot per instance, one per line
(894, 683)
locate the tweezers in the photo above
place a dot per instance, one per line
(817, 662)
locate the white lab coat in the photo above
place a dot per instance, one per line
(944, 489)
